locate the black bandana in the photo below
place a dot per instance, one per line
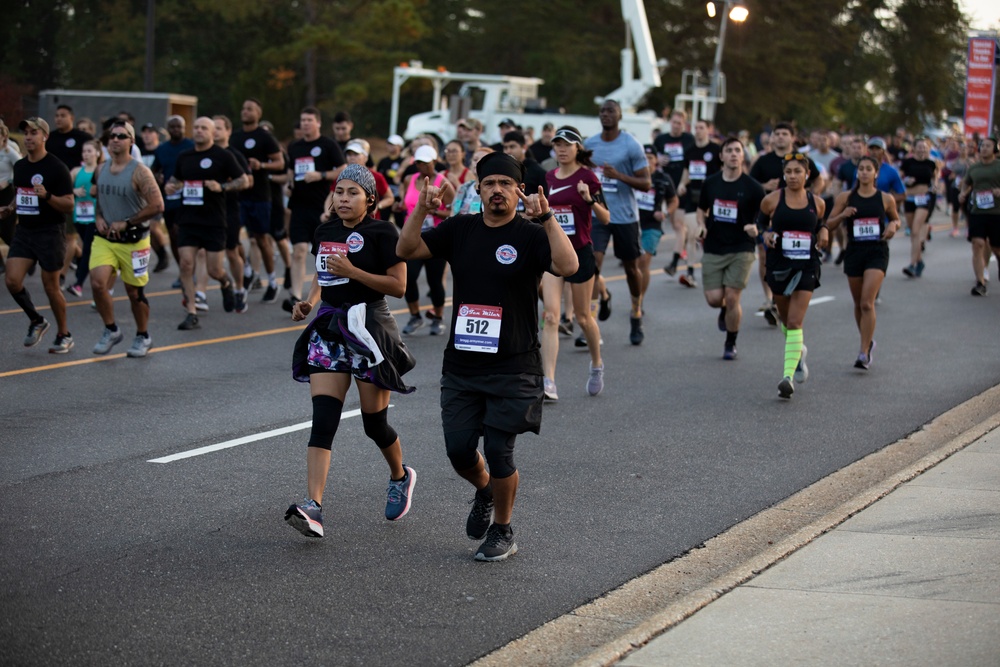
(500, 164)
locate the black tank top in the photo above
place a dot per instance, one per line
(868, 223)
(796, 227)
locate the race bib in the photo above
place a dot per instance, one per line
(921, 200)
(27, 201)
(646, 200)
(564, 216)
(85, 211)
(724, 210)
(303, 165)
(140, 262)
(866, 229)
(675, 152)
(607, 184)
(477, 328)
(697, 170)
(984, 199)
(795, 245)
(326, 250)
(194, 193)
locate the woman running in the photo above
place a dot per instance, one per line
(454, 156)
(795, 233)
(352, 335)
(919, 174)
(84, 211)
(871, 220)
(574, 192)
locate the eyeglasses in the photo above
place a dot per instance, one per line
(119, 137)
(796, 156)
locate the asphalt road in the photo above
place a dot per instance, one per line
(109, 558)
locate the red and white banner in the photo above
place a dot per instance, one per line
(980, 86)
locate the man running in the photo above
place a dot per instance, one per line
(164, 162)
(234, 249)
(492, 377)
(203, 176)
(982, 182)
(670, 147)
(66, 143)
(622, 169)
(701, 161)
(727, 210)
(127, 200)
(43, 196)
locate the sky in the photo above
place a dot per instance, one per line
(985, 14)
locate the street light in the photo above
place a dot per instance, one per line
(738, 13)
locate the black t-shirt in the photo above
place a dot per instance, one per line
(260, 144)
(702, 162)
(540, 151)
(674, 148)
(370, 245)
(770, 166)
(199, 205)
(322, 154)
(534, 175)
(921, 171)
(68, 147)
(389, 167)
(496, 275)
(730, 206)
(233, 197)
(33, 212)
(652, 200)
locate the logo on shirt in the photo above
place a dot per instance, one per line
(250, 143)
(553, 191)
(37, 179)
(206, 163)
(707, 157)
(316, 150)
(355, 242)
(70, 142)
(506, 254)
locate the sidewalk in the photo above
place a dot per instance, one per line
(914, 579)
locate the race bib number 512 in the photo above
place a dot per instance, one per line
(477, 328)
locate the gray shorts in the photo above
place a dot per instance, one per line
(729, 270)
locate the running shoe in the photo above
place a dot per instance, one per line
(636, 334)
(252, 281)
(271, 294)
(190, 322)
(480, 516)
(437, 326)
(75, 290)
(871, 352)
(228, 298)
(499, 544)
(201, 302)
(581, 341)
(162, 261)
(140, 347)
(62, 344)
(729, 354)
(955, 233)
(288, 277)
(771, 315)
(721, 322)
(670, 269)
(400, 494)
(785, 387)
(35, 332)
(549, 390)
(910, 270)
(108, 340)
(687, 280)
(919, 268)
(565, 326)
(176, 284)
(979, 289)
(595, 383)
(241, 301)
(306, 517)
(862, 362)
(288, 304)
(604, 310)
(801, 370)
(415, 322)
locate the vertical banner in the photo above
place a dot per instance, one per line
(980, 86)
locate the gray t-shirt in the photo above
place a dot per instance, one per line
(625, 154)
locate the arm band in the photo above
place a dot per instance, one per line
(763, 221)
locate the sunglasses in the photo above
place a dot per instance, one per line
(795, 156)
(120, 137)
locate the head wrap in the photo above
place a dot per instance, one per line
(500, 164)
(360, 175)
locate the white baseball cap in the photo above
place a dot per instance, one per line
(425, 154)
(396, 140)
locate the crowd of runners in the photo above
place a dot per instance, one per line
(522, 227)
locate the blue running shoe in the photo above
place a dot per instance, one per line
(306, 517)
(399, 494)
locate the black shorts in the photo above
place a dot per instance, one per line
(689, 202)
(278, 230)
(808, 282)
(170, 216)
(233, 227)
(303, 225)
(212, 239)
(626, 239)
(256, 216)
(510, 403)
(860, 257)
(911, 207)
(588, 265)
(47, 246)
(985, 227)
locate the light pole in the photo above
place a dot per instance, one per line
(739, 14)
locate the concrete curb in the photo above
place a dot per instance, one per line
(603, 631)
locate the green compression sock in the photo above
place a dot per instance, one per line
(793, 350)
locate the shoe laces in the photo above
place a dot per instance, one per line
(495, 536)
(481, 508)
(395, 490)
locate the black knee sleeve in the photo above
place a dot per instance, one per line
(140, 295)
(326, 419)
(499, 448)
(461, 447)
(377, 428)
